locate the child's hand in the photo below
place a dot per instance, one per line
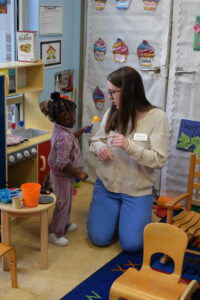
(87, 129)
(80, 131)
(83, 176)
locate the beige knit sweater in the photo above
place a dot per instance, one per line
(133, 172)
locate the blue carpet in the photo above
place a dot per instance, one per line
(97, 286)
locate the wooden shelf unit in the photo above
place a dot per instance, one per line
(23, 77)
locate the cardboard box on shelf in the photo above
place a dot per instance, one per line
(27, 46)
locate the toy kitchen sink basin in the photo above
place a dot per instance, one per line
(28, 133)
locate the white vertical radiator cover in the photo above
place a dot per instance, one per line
(183, 93)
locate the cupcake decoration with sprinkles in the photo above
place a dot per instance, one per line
(99, 49)
(100, 4)
(98, 98)
(120, 51)
(150, 4)
(145, 54)
(123, 4)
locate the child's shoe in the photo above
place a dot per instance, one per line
(62, 241)
(72, 227)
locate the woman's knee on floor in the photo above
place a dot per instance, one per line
(100, 243)
(131, 245)
(99, 239)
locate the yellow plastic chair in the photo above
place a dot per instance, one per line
(149, 284)
(10, 251)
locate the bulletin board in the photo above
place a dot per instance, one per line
(126, 24)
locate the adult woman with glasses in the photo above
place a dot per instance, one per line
(131, 144)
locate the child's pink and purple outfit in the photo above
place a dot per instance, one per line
(64, 149)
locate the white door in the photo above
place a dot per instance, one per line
(183, 100)
(130, 27)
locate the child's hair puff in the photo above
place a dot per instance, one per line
(57, 105)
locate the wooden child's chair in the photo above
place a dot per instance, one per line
(149, 284)
(10, 251)
(187, 220)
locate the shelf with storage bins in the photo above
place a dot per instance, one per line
(23, 77)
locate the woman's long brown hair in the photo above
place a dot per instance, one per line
(132, 99)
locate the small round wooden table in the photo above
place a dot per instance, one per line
(7, 211)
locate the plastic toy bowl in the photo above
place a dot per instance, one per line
(31, 193)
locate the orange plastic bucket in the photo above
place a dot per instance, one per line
(31, 193)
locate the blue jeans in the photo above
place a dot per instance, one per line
(107, 210)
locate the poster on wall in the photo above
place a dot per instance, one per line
(51, 20)
(196, 43)
(3, 6)
(189, 136)
(64, 81)
(50, 52)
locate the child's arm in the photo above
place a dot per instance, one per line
(80, 131)
(75, 172)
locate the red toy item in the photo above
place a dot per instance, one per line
(64, 97)
(74, 191)
(160, 210)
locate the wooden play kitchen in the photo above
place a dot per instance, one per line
(27, 161)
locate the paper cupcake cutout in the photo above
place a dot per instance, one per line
(196, 43)
(150, 4)
(99, 49)
(120, 51)
(98, 98)
(100, 4)
(123, 4)
(145, 54)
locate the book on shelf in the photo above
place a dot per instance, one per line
(11, 76)
(27, 46)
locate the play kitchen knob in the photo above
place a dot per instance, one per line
(19, 155)
(33, 151)
(11, 158)
(26, 153)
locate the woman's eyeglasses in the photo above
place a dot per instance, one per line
(111, 92)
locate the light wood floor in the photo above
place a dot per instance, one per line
(68, 266)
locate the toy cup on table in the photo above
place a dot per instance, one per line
(17, 202)
(31, 193)
(94, 120)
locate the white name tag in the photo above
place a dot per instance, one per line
(140, 137)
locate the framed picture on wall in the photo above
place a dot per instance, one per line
(64, 81)
(50, 52)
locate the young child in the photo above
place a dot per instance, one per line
(65, 165)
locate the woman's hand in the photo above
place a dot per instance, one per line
(105, 154)
(119, 140)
